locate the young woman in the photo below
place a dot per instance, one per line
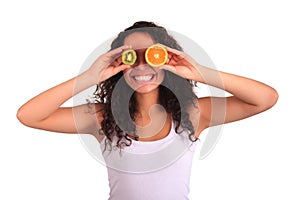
(142, 111)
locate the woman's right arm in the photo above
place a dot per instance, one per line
(45, 112)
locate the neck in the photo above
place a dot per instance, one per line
(150, 117)
(145, 102)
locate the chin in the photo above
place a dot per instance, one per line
(146, 88)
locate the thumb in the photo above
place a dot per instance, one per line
(123, 67)
(169, 68)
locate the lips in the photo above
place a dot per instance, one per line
(143, 74)
(143, 77)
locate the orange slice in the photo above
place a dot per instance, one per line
(156, 55)
(129, 57)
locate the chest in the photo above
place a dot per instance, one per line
(154, 130)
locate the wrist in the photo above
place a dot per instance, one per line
(84, 81)
(90, 77)
(200, 74)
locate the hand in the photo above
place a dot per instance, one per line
(107, 65)
(182, 64)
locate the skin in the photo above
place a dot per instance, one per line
(147, 93)
(142, 67)
(249, 97)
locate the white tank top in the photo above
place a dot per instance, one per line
(156, 170)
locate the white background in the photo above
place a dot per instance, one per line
(44, 43)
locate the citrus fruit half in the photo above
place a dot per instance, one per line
(129, 57)
(156, 55)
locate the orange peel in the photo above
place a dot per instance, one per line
(156, 55)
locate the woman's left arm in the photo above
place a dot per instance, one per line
(249, 97)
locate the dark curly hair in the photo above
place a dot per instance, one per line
(110, 126)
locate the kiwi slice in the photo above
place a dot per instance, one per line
(129, 57)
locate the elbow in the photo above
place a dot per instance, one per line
(22, 117)
(271, 97)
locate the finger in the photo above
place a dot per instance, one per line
(117, 62)
(117, 52)
(169, 68)
(171, 61)
(114, 56)
(121, 68)
(114, 64)
(173, 51)
(174, 59)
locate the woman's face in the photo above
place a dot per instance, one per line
(141, 77)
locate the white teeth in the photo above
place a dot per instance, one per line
(143, 78)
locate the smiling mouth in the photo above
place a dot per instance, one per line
(143, 77)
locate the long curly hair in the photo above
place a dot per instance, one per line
(121, 127)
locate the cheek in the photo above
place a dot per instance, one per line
(126, 71)
(126, 74)
(161, 75)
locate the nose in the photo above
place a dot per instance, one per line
(140, 60)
